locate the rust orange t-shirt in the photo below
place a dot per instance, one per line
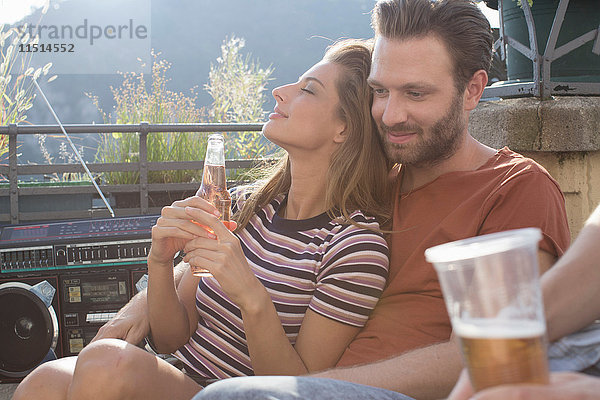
(508, 192)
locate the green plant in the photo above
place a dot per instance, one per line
(16, 80)
(17, 95)
(237, 85)
(530, 2)
(65, 155)
(3, 151)
(138, 101)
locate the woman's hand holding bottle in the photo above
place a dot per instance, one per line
(224, 258)
(174, 228)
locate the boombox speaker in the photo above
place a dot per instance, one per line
(28, 327)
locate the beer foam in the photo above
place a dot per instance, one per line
(480, 328)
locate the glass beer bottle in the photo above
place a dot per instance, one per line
(214, 184)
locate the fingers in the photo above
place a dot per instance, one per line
(211, 221)
(159, 231)
(128, 329)
(175, 222)
(196, 202)
(202, 212)
(563, 385)
(231, 225)
(518, 392)
(135, 336)
(198, 259)
(463, 389)
(561, 378)
(202, 252)
(99, 335)
(229, 247)
(199, 256)
(108, 330)
(201, 259)
(183, 229)
(201, 244)
(214, 263)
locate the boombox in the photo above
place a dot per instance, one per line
(61, 281)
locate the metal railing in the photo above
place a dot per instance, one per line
(541, 85)
(16, 191)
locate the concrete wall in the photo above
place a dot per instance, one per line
(562, 134)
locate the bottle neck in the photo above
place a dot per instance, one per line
(213, 176)
(215, 151)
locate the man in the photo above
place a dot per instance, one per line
(429, 70)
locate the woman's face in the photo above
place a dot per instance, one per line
(306, 112)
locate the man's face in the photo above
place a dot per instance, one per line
(419, 114)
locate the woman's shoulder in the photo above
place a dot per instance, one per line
(358, 222)
(358, 234)
(362, 217)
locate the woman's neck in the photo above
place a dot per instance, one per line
(306, 197)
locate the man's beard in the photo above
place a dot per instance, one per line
(444, 139)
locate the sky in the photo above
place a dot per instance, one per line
(13, 10)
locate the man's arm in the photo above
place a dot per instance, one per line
(131, 322)
(572, 284)
(426, 373)
(545, 261)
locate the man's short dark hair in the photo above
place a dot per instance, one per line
(459, 24)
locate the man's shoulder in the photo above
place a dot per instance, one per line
(512, 163)
(510, 157)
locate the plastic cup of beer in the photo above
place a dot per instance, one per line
(492, 292)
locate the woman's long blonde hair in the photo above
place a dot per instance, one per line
(357, 175)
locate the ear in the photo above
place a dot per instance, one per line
(474, 89)
(342, 133)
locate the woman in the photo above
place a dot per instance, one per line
(295, 282)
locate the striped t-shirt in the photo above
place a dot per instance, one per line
(338, 270)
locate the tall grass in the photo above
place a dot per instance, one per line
(16, 80)
(136, 101)
(236, 83)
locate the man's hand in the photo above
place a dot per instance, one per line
(563, 386)
(130, 324)
(463, 389)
